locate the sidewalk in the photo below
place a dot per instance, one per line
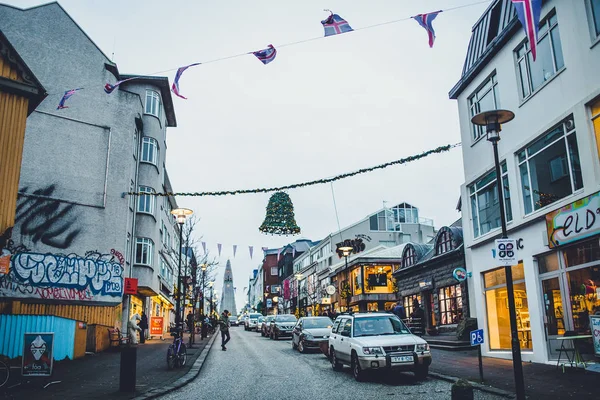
(97, 376)
(541, 380)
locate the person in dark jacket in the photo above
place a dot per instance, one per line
(399, 311)
(224, 325)
(144, 327)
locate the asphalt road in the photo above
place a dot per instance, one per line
(254, 367)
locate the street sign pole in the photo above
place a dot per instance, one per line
(477, 339)
(480, 364)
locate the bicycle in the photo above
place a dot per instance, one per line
(177, 353)
(4, 373)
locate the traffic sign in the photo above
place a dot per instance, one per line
(477, 337)
(506, 252)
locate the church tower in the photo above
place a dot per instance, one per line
(228, 292)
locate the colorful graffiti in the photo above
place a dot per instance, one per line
(95, 277)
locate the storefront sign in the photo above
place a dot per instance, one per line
(595, 327)
(460, 274)
(131, 285)
(269, 303)
(330, 289)
(506, 252)
(4, 264)
(37, 354)
(356, 244)
(576, 221)
(326, 300)
(426, 284)
(156, 326)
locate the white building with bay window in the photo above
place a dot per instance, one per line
(550, 167)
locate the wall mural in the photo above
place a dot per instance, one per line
(45, 219)
(95, 277)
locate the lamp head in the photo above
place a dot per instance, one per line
(493, 120)
(346, 250)
(298, 276)
(203, 266)
(181, 214)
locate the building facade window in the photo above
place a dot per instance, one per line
(484, 99)
(409, 257)
(595, 14)
(144, 249)
(153, 106)
(136, 143)
(497, 308)
(444, 242)
(378, 279)
(450, 302)
(485, 207)
(549, 59)
(150, 150)
(549, 167)
(391, 219)
(274, 271)
(146, 201)
(409, 303)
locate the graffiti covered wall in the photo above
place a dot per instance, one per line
(93, 278)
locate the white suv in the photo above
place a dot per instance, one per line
(377, 341)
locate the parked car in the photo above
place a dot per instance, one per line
(265, 328)
(282, 325)
(251, 322)
(377, 341)
(233, 321)
(310, 332)
(259, 323)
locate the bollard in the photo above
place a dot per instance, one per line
(462, 390)
(128, 369)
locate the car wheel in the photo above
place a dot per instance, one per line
(301, 348)
(335, 364)
(357, 371)
(421, 372)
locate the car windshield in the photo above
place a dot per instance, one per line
(285, 318)
(379, 325)
(270, 318)
(314, 323)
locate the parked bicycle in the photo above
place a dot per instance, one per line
(177, 353)
(4, 373)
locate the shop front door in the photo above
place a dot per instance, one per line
(556, 320)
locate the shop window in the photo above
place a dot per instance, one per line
(409, 302)
(548, 263)
(584, 295)
(372, 306)
(357, 281)
(549, 167)
(581, 253)
(497, 309)
(595, 108)
(549, 59)
(485, 209)
(450, 301)
(378, 279)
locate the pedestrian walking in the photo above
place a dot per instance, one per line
(224, 324)
(190, 321)
(143, 326)
(399, 311)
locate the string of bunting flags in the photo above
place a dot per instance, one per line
(528, 12)
(250, 250)
(438, 150)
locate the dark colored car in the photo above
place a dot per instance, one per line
(265, 329)
(282, 325)
(310, 332)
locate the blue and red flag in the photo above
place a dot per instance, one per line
(426, 21)
(67, 94)
(175, 86)
(266, 55)
(334, 25)
(108, 88)
(529, 12)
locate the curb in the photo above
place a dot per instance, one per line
(476, 386)
(185, 379)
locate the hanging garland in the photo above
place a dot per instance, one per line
(406, 160)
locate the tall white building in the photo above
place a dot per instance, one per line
(550, 173)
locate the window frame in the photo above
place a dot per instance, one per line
(151, 156)
(478, 132)
(444, 243)
(409, 257)
(276, 269)
(565, 139)
(155, 106)
(147, 243)
(446, 310)
(473, 190)
(148, 199)
(526, 58)
(594, 27)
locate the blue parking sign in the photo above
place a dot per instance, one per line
(477, 337)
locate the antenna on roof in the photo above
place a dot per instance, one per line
(112, 56)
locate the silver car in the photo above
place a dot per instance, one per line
(310, 332)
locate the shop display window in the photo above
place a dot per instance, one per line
(372, 306)
(584, 296)
(357, 285)
(496, 296)
(409, 301)
(450, 302)
(378, 279)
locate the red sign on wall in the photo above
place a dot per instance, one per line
(130, 286)
(156, 326)
(4, 264)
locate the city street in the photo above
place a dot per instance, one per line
(254, 367)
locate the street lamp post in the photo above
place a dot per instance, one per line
(346, 251)
(211, 297)
(492, 121)
(203, 266)
(180, 214)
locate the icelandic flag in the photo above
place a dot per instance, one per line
(67, 94)
(266, 55)
(175, 86)
(426, 20)
(334, 25)
(529, 12)
(108, 88)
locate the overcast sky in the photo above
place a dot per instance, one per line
(322, 108)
